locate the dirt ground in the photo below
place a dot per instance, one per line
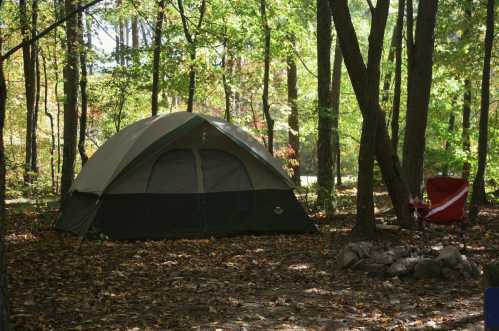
(237, 283)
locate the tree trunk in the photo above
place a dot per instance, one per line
(29, 54)
(156, 56)
(266, 77)
(387, 161)
(4, 311)
(387, 82)
(192, 78)
(338, 162)
(226, 68)
(366, 223)
(478, 195)
(335, 104)
(466, 128)
(58, 115)
(51, 122)
(83, 92)
(191, 38)
(135, 32)
(325, 180)
(34, 150)
(452, 119)
(418, 94)
(88, 23)
(293, 119)
(398, 77)
(71, 82)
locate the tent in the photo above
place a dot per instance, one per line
(182, 175)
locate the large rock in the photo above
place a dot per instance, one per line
(384, 258)
(403, 266)
(370, 267)
(450, 256)
(353, 252)
(427, 268)
(347, 258)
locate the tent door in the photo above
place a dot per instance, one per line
(228, 197)
(173, 189)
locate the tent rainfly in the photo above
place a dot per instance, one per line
(182, 175)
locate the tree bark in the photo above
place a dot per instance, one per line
(29, 54)
(226, 68)
(335, 104)
(266, 76)
(478, 195)
(71, 82)
(293, 119)
(135, 32)
(452, 119)
(4, 304)
(398, 77)
(83, 92)
(418, 93)
(51, 122)
(366, 224)
(191, 37)
(325, 181)
(156, 56)
(88, 24)
(387, 161)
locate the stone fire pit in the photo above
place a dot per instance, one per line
(411, 261)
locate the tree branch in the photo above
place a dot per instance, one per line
(48, 29)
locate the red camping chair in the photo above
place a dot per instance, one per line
(447, 201)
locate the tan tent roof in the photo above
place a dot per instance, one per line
(136, 139)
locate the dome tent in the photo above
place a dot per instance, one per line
(182, 175)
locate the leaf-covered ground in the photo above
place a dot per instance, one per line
(238, 283)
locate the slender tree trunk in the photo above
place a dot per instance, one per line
(466, 128)
(338, 162)
(88, 24)
(293, 119)
(191, 37)
(4, 303)
(324, 142)
(51, 122)
(121, 35)
(266, 76)
(83, 92)
(34, 143)
(398, 77)
(135, 32)
(478, 195)
(226, 69)
(387, 82)
(71, 82)
(387, 161)
(192, 78)
(452, 119)
(418, 93)
(156, 56)
(29, 53)
(335, 104)
(58, 117)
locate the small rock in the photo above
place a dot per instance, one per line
(450, 256)
(427, 268)
(347, 257)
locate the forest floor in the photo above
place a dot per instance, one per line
(238, 283)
